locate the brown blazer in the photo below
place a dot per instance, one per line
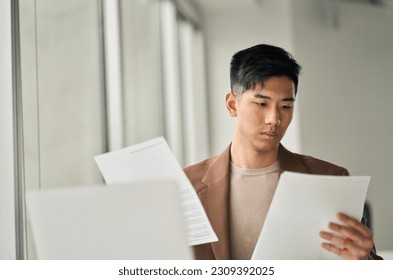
(211, 179)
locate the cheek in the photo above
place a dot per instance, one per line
(255, 113)
(286, 120)
(249, 122)
(249, 114)
(286, 114)
(255, 118)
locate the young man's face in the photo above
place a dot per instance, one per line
(263, 114)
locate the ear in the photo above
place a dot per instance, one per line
(231, 103)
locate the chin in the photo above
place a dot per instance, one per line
(266, 147)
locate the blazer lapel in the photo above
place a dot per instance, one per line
(290, 161)
(215, 199)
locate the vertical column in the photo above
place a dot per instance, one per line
(113, 74)
(171, 78)
(187, 90)
(201, 103)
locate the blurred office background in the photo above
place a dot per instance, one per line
(83, 77)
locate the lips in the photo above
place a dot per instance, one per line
(270, 134)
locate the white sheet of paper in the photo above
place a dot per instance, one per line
(100, 223)
(302, 206)
(153, 159)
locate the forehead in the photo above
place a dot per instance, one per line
(281, 87)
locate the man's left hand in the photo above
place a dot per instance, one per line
(353, 241)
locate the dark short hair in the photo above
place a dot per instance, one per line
(255, 65)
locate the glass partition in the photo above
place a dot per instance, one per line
(63, 93)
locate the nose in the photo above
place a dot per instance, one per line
(272, 118)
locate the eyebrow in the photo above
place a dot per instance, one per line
(258, 95)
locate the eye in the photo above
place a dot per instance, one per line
(286, 107)
(261, 104)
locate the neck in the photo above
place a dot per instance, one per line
(246, 156)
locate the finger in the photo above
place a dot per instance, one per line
(343, 247)
(338, 251)
(344, 243)
(355, 237)
(355, 224)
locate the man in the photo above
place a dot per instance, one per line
(236, 187)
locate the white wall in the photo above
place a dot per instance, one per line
(346, 92)
(7, 212)
(228, 31)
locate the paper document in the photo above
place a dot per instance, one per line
(154, 160)
(302, 206)
(108, 223)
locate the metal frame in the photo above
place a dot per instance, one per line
(7, 195)
(20, 211)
